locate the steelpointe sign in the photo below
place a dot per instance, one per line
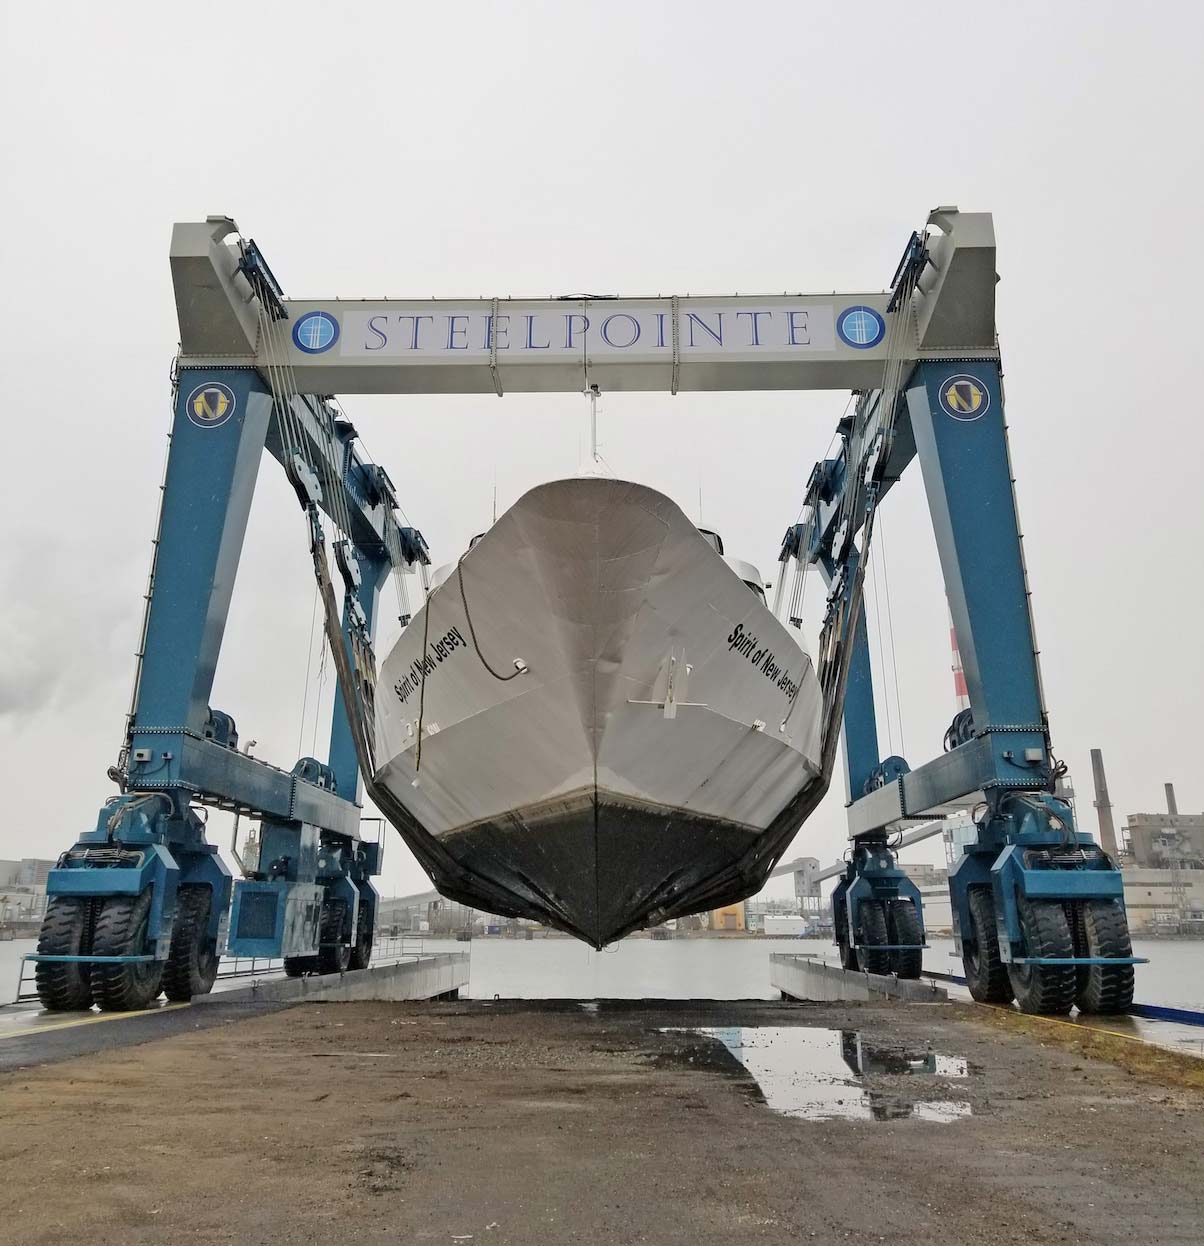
(565, 345)
(573, 342)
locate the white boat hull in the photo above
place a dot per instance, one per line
(664, 721)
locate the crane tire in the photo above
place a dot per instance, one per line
(986, 974)
(1105, 989)
(192, 963)
(121, 925)
(334, 952)
(1046, 990)
(873, 931)
(65, 986)
(361, 951)
(903, 926)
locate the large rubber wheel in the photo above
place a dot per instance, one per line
(873, 934)
(986, 974)
(334, 954)
(1105, 988)
(903, 926)
(192, 963)
(65, 986)
(1044, 989)
(361, 953)
(848, 953)
(299, 966)
(121, 931)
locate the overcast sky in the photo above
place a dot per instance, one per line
(629, 148)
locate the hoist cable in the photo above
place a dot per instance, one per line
(881, 647)
(309, 659)
(313, 747)
(890, 623)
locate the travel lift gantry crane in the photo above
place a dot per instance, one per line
(140, 902)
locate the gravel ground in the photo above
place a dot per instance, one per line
(556, 1123)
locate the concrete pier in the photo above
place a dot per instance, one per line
(432, 976)
(806, 977)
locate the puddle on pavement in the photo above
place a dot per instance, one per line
(818, 1074)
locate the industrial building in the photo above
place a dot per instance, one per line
(23, 890)
(1154, 840)
(1161, 856)
(731, 917)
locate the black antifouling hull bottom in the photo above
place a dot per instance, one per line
(596, 868)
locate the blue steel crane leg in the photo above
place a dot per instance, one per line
(967, 477)
(1052, 890)
(211, 474)
(872, 875)
(130, 872)
(149, 840)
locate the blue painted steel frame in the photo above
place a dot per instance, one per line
(141, 841)
(860, 724)
(967, 477)
(149, 836)
(873, 874)
(1022, 848)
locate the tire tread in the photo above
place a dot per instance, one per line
(182, 976)
(903, 926)
(1106, 989)
(873, 931)
(125, 987)
(1049, 989)
(64, 986)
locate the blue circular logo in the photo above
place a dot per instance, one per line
(210, 405)
(316, 332)
(860, 327)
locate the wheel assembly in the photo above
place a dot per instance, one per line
(121, 931)
(1105, 932)
(334, 954)
(844, 941)
(986, 974)
(65, 986)
(192, 963)
(872, 956)
(903, 926)
(361, 952)
(1048, 989)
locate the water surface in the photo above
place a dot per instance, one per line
(700, 968)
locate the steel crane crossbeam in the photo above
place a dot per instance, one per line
(566, 344)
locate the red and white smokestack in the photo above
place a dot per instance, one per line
(959, 675)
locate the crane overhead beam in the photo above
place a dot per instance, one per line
(568, 343)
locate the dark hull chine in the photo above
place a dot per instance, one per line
(595, 866)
